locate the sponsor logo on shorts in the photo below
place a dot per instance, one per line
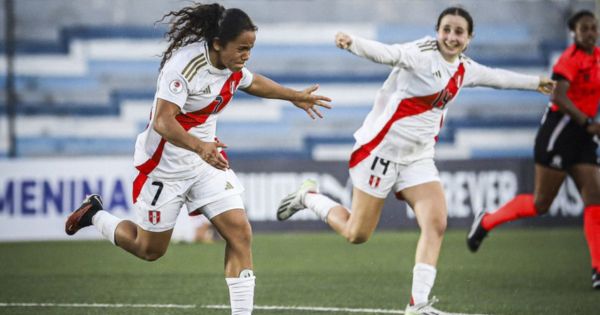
(374, 181)
(154, 216)
(556, 161)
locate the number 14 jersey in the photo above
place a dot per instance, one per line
(409, 108)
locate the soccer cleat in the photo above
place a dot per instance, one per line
(596, 279)
(477, 233)
(424, 308)
(294, 202)
(82, 217)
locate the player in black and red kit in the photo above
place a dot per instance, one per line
(566, 143)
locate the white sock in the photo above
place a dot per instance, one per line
(106, 223)
(241, 293)
(423, 279)
(320, 204)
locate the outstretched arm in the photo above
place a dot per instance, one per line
(505, 79)
(560, 98)
(166, 124)
(370, 49)
(264, 87)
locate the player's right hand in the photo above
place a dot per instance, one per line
(343, 40)
(209, 152)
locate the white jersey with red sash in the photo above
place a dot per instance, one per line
(202, 92)
(409, 109)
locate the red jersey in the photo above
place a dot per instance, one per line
(583, 72)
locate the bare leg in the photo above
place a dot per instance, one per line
(141, 243)
(235, 229)
(587, 179)
(547, 184)
(429, 204)
(357, 226)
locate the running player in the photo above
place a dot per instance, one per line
(395, 146)
(178, 156)
(565, 143)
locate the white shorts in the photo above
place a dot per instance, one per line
(160, 201)
(377, 176)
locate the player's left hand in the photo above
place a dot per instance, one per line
(309, 102)
(546, 86)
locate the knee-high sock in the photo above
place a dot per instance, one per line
(106, 223)
(522, 206)
(591, 227)
(320, 204)
(423, 279)
(241, 293)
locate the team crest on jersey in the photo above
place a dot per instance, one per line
(176, 86)
(154, 216)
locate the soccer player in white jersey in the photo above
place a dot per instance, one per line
(395, 145)
(178, 156)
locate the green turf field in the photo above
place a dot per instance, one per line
(534, 271)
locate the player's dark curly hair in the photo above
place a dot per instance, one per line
(460, 12)
(572, 22)
(204, 21)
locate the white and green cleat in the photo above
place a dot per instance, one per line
(294, 202)
(425, 308)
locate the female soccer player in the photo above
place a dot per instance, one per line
(395, 145)
(565, 143)
(177, 155)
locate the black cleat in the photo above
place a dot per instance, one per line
(476, 234)
(82, 217)
(596, 279)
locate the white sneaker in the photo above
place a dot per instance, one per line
(424, 308)
(294, 202)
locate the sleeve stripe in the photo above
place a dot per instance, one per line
(427, 43)
(195, 70)
(192, 64)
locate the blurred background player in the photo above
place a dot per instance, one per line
(178, 160)
(193, 229)
(395, 146)
(566, 143)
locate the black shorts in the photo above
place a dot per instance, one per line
(561, 143)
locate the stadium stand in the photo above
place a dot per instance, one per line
(85, 84)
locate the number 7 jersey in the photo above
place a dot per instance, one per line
(409, 108)
(190, 81)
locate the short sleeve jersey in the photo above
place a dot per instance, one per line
(190, 81)
(583, 73)
(409, 108)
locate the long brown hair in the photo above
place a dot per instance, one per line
(204, 21)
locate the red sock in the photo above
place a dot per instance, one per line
(591, 227)
(521, 206)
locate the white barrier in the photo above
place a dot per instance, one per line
(36, 195)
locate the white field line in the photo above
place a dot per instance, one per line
(97, 305)
(189, 306)
(313, 309)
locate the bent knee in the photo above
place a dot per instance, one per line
(358, 237)
(437, 226)
(151, 255)
(241, 237)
